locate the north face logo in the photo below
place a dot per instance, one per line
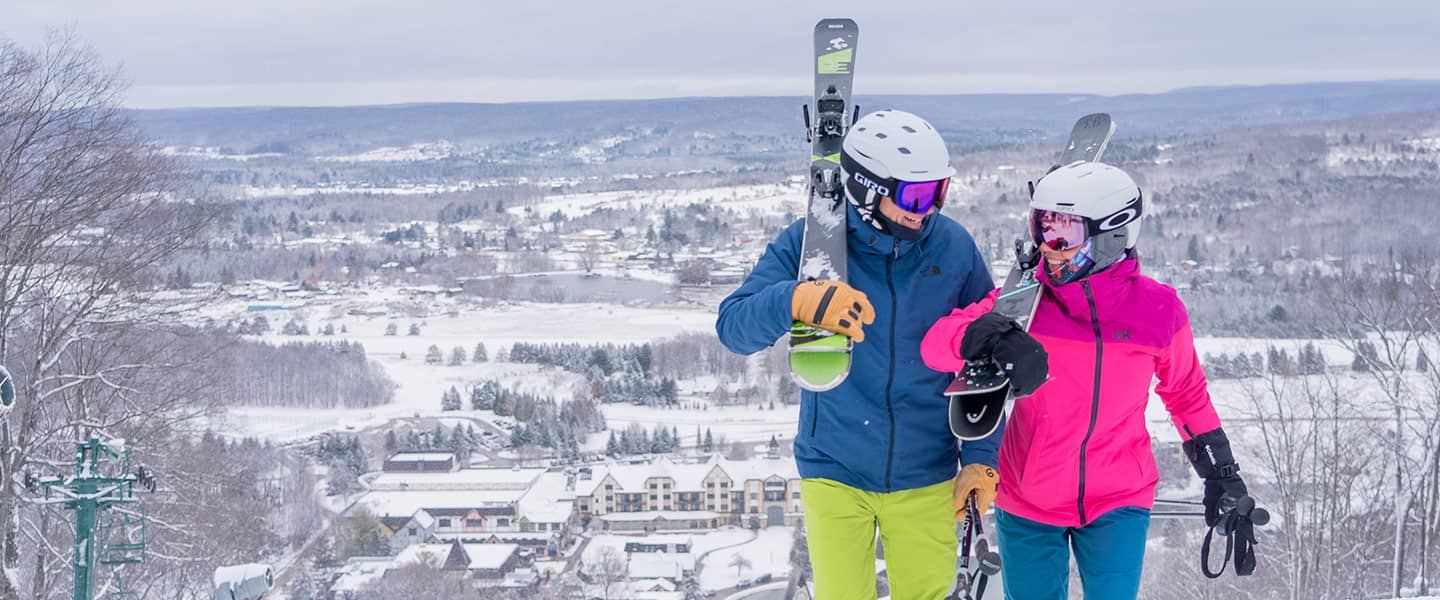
(1121, 334)
(930, 271)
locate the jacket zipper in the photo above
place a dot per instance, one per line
(1094, 398)
(814, 414)
(890, 377)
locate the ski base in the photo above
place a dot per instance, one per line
(819, 359)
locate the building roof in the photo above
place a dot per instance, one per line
(464, 479)
(688, 476)
(660, 566)
(548, 500)
(404, 504)
(668, 515)
(428, 554)
(490, 556)
(359, 572)
(422, 456)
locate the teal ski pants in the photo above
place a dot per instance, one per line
(1109, 551)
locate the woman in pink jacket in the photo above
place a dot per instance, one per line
(1076, 471)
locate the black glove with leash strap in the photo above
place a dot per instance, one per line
(1229, 509)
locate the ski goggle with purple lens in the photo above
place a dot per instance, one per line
(920, 196)
(916, 197)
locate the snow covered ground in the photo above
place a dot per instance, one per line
(766, 199)
(420, 384)
(768, 553)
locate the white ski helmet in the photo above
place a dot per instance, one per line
(1108, 199)
(885, 148)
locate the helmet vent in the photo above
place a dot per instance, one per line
(908, 129)
(881, 136)
(903, 150)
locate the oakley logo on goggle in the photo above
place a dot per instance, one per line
(865, 181)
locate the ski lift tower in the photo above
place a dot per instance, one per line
(110, 520)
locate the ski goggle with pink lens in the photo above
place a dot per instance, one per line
(1057, 230)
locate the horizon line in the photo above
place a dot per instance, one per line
(641, 99)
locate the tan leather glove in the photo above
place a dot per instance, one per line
(832, 306)
(978, 478)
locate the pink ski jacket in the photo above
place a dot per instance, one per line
(1078, 447)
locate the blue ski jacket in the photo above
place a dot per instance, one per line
(886, 428)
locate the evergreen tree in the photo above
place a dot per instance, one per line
(457, 356)
(390, 442)
(480, 355)
(451, 400)
(433, 356)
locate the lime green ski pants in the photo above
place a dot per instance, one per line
(916, 526)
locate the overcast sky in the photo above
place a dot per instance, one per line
(338, 52)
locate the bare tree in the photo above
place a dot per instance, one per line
(89, 215)
(1385, 319)
(608, 571)
(590, 257)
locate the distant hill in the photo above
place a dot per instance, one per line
(967, 120)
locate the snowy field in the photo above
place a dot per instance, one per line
(763, 199)
(768, 553)
(420, 385)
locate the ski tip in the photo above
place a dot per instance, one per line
(836, 23)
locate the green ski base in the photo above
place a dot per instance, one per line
(820, 360)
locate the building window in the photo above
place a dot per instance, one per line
(753, 495)
(667, 496)
(795, 495)
(754, 510)
(444, 522)
(710, 484)
(653, 486)
(412, 532)
(474, 523)
(503, 523)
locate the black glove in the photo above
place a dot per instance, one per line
(1210, 454)
(997, 338)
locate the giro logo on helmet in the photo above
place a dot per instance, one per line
(861, 179)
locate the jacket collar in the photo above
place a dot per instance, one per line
(867, 239)
(1110, 289)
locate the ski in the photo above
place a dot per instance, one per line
(985, 383)
(819, 359)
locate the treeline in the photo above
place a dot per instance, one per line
(636, 440)
(462, 441)
(326, 374)
(347, 460)
(1308, 361)
(541, 421)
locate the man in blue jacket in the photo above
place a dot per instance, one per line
(877, 450)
